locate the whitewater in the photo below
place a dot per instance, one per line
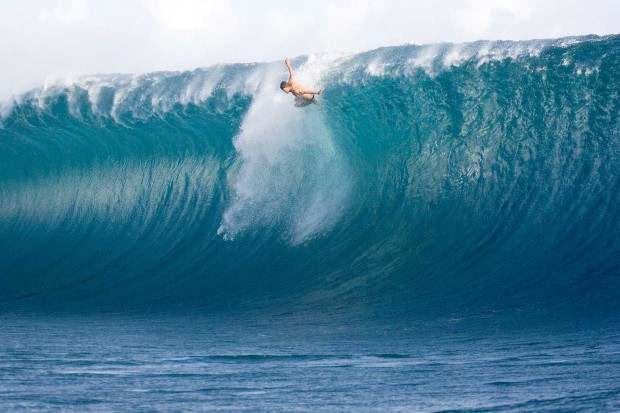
(448, 212)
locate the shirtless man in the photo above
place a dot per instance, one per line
(303, 95)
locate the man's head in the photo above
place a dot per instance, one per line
(284, 86)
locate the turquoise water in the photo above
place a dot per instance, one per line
(472, 185)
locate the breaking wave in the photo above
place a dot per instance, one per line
(443, 178)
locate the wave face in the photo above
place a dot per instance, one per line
(431, 179)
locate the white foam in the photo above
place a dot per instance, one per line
(158, 93)
(424, 59)
(455, 56)
(5, 109)
(287, 175)
(376, 68)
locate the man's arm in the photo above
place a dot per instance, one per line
(310, 92)
(287, 62)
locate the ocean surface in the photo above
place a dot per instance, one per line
(441, 233)
(234, 363)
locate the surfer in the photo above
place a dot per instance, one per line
(303, 95)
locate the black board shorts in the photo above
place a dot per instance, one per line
(301, 101)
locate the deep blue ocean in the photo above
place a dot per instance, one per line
(440, 233)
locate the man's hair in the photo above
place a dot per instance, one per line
(283, 84)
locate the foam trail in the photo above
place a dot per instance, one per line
(288, 172)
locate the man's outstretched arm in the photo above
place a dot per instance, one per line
(287, 62)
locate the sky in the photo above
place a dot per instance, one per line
(43, 40)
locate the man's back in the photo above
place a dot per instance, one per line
(298, 89)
